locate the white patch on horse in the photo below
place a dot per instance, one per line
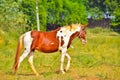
(64, 34)
(52, 43)
(27, 41)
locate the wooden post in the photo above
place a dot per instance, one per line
(37, 16)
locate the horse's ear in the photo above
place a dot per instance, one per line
(71, 25)
(85, 25)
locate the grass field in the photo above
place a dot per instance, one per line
(99, 59)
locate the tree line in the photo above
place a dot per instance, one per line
(21, 14)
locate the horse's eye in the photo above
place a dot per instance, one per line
(83, 29)
(61, 31)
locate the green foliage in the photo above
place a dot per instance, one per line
(98, 8)
(54, 12)
(21, 14)
(116, 21)
(95, 8)
(75, 12)
(11, 16)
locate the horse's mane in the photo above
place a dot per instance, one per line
(55, 29)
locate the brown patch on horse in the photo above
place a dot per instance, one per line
(42, 41)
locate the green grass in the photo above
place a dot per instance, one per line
(99, 59)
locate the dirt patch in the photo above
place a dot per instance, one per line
(89, 78)
(2, 76)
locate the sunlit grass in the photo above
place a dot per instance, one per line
(99, 59)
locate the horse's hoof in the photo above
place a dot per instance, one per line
(63, 72)
(66, 69)
(36, 74)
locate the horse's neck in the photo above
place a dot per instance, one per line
(66, 35)
(72, 38)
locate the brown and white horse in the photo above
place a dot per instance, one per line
(47, 42)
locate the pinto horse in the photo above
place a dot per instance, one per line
(47, 42)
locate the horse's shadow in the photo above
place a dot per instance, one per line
(25, 74)
(31, 74)
(50, 73)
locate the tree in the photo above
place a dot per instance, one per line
(99, 8)
(66, 11)
(116, 21)
(11, 16)
(113, 6)
(28, 8)
(60, 12)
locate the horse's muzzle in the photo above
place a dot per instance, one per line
(84, 41)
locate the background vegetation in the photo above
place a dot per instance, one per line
(21, 14)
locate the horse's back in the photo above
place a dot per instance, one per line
(35, 34)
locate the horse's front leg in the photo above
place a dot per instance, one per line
(68, 63)
(62, 59)
(62, 62)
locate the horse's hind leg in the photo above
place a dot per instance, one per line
(30, 59)
(23, 56)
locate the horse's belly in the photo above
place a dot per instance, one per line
(48, 48)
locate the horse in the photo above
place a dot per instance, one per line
(59, 39)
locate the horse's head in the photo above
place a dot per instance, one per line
(82, 34)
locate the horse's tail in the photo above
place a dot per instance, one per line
(18, 51)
